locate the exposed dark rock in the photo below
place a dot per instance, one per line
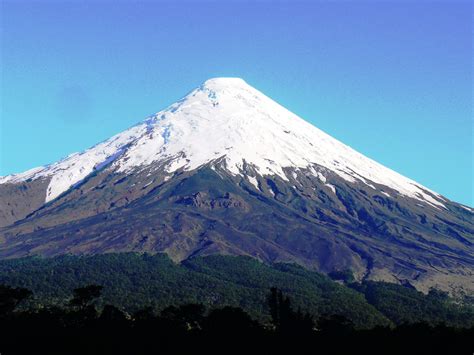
(209, 211)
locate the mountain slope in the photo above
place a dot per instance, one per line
(227, 118)
(228, 170)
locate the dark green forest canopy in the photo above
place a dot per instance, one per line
(134, 281)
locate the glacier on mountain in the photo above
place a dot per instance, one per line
(225, 118)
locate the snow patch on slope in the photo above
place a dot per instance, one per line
(331, 187)
(253, 181)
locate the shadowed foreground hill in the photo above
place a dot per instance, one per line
(134, 281)
(80, 328)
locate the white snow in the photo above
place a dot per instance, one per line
(224, 117)
(384, 193)
(175, 165)
(148, 184)
(74, 168)
(253, 181)
(332, 187)
(321, 177)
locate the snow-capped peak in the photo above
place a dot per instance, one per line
(224, 118)
(221, 83)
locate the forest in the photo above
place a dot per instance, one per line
(138, 303)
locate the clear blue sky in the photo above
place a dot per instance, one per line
(391, 79)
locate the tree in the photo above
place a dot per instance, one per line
(342, 275)
(10, 298)
(187, 316)
(84, 296)
(112, 314)
(231, 321)
(284, 318)
(335, 324)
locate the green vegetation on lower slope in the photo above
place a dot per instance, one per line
(134, 281)
(310, 291)
(407, 305)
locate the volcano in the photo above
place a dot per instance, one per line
(227, 170)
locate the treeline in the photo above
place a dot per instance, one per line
(80, 327)
(406, 305)
(133, 281)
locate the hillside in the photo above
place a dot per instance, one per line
(132, 282)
